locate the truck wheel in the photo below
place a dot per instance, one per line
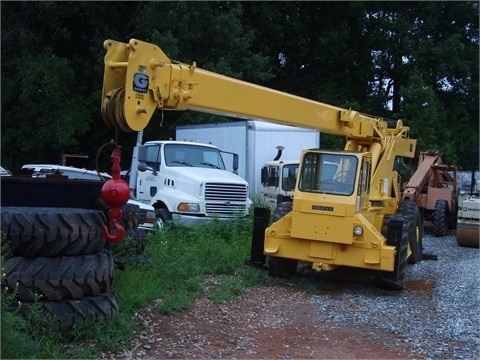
(36, 231)
(281, 267)
(162, 217)
(282, 209)
(440, 218)
(409, 210)
(395, 280)
(71, 313)
(58, 278)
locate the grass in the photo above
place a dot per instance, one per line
(168, 275)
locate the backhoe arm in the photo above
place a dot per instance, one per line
(139, 78)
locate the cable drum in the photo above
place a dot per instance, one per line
(113, 112)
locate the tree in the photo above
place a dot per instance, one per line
(375, 57)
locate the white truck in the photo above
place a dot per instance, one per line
(187, 182)
(255, 141)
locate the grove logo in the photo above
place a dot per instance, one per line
(140, 83)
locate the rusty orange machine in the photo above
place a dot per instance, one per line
(434, 188)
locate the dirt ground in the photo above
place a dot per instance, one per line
(267, 322)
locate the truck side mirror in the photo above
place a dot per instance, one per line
(142, 167)
(235, 163)
(264, 176)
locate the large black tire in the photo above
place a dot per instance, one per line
(282, 209)
(395, 280)
(140, 238)
(410, 211)
(281, 267)
(58, 278)
(163, 217)
(71, 313)
(441, 218)
(36, 231)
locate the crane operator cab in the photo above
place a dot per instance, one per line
(341, 177)
(329, 173)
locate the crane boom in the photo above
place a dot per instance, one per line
(140, 78)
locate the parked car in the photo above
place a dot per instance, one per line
(4, 172)
(146, 217)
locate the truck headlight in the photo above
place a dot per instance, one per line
(358, 230)
(150, 217)
(188, 207)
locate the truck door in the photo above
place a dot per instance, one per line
(147, 181)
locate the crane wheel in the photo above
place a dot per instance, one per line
(282, 209)
(396, 230)
(281, 267)
(409, 210)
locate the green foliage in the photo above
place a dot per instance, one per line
(6, 252)
(366, 53)
(422, 112)
(129, 252)
(26, 335)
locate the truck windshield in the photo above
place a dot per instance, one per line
(328, 173)
(194, 156)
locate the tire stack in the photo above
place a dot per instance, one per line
(59, 262)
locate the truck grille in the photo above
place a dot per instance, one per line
(225, 200)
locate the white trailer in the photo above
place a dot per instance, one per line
(254, 141)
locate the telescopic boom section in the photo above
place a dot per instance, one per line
(139, 78)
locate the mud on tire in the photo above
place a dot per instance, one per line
(35, 231)
(58, 278)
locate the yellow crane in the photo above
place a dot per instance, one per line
(346, 209)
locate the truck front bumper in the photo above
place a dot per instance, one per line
(189, 220)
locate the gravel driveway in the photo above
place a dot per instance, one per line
(436, 316)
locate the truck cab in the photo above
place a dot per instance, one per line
(187, 183)
(278, 179)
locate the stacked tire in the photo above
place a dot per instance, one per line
(59, 264)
